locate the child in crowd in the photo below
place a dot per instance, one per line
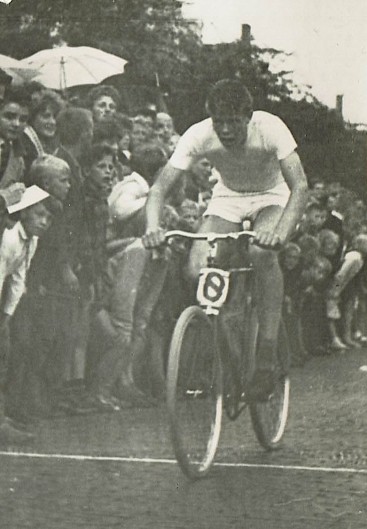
(314, 282)
(341, 300)
(290, 262)
(98, 186)
(17, 249)
(189, 212)
(38, 339)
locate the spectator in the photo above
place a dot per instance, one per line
(75, 129)
(341, 310)
(108, 132)
(166, 133)
(199, 182)
(17, 248)
(37, 336)
(40, 135)
(189, 212)
(312, 221)
(104, 101)
(329, 247)
(313, 316)
(142, 132)
(125, 125)
(98, 186)
(128, 197)
(13, 120)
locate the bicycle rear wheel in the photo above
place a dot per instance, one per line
(269, 418)
(194, 392)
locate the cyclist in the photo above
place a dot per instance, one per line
(262, 179)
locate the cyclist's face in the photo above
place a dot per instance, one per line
(231, 128)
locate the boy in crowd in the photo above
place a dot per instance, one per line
(17, 249)
(75, 129)
(35, 328)
(98, 186)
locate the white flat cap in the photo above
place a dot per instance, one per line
(32, 195)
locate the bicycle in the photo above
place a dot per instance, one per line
(204, 373)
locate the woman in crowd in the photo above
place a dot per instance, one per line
(40, 135)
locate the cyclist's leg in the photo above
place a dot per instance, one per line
(200, 249)
(269, 299)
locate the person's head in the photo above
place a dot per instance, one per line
(189, 212)
(315, 216)
(164, 127)
(147, 116)
(230, 106)
(124, 125)
(101, 171)
(318, 189)
(14, 113)
(104, 101)
(320, 270)
(201, 169)
(51, 174)
(75, 128)
(290, 256)
(36, 219)
(329, 243)
(310, 247)
(44, 108)
(147, 160)
(140, 133)
(107, 132)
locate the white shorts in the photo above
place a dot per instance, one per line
(236, 207)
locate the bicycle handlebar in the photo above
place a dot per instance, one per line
(210, 237)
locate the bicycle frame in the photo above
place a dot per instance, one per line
(212, 294)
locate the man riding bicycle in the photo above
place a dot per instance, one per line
(262, 179)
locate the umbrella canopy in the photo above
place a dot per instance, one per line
(16, 69)
(64, 67)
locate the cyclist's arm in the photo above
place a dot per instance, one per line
(295, 178)
(154, 236)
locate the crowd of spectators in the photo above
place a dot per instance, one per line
(86, 311)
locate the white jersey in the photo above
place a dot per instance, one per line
(255, 167)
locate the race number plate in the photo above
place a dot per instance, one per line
(213, 287)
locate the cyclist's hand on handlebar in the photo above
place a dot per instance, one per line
(268, 239)
(153, 239)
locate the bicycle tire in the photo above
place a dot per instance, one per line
(269, 418)
(194, 392)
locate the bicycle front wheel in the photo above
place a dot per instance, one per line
(269, 418)
(194, 392)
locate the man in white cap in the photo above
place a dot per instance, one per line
(17, 248)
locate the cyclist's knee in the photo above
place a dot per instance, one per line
(193, 267)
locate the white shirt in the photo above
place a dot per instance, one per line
(16, 252)
(253, 168)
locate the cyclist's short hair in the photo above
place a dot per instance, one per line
(229, 95)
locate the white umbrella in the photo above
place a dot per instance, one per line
(16, 69)
(64, 67)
